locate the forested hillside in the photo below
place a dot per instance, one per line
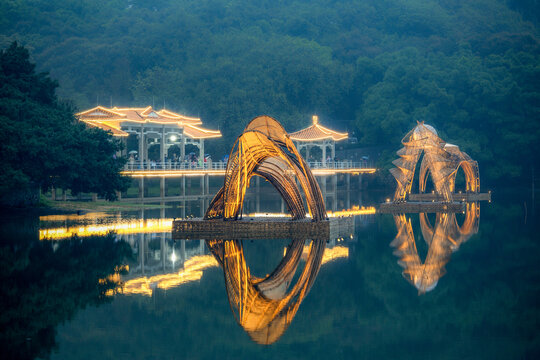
(373, 67)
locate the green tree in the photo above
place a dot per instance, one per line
(42, 144)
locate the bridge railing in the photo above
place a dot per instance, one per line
(174, 165)
(137, 165)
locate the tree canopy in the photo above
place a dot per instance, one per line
(470, 68)
(42, 145)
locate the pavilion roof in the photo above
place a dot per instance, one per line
(196, 132)
(316, 132)
(115, 131)
(111, 119)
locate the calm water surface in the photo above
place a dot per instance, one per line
(407, 287)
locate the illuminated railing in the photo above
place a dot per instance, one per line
(355, 210)
(154, 166)
(140, 165)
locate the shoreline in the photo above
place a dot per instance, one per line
(47, 207)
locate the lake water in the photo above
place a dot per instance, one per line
(406, 287)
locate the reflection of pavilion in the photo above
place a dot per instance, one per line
(163, 127)
(443, 238)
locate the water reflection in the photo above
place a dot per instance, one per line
(265, 307)
(158, 264)
(443, 238)
(101, 223)
(44, 284)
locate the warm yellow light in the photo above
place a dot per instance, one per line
(192, 271)
(133, 226)
(355, 210)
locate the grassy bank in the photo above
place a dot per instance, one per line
(99, 205)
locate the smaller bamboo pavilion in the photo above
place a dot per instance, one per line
(317, 135)
(151, 127)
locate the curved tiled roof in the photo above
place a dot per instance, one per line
(106, 127)
(316, 132)
(195, 132)
(111, 119)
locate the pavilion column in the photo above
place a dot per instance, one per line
(162, 145)
(141, 146)
(333, 151)
(201, 151)
(124, 142)
(141, 187)
(146, 147)
(162, 187)
(183, 147)
(324, 154)
(307, 152)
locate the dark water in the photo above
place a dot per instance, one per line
(475, 294)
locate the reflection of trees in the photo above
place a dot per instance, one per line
(44, 283)
(263, 306)
(443, 238)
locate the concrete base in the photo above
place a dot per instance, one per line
(421, 207)
(262, 228)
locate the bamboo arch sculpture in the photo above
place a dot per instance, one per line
(262, 306)
(444, 238)
(441, 160)
(264, 149)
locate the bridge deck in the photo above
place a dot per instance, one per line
(170, 169)
(203, 172)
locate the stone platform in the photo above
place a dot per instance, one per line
(252, 228)
(468, 197)
(421, 207)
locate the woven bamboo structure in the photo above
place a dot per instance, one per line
(441, 160)
(264, 149)
(443, 238)
(265, 307)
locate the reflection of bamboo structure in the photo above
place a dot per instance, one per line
(264, 149)
(442, 239)
(441, 160)
(263, 306)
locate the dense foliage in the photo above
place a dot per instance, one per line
(470, 68)
(41, 143)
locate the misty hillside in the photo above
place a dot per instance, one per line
(372, 67)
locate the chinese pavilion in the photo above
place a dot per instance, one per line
(317, 135)
(151, 127)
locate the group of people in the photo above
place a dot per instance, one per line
(192, 159)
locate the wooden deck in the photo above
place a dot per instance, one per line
(262, 228)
